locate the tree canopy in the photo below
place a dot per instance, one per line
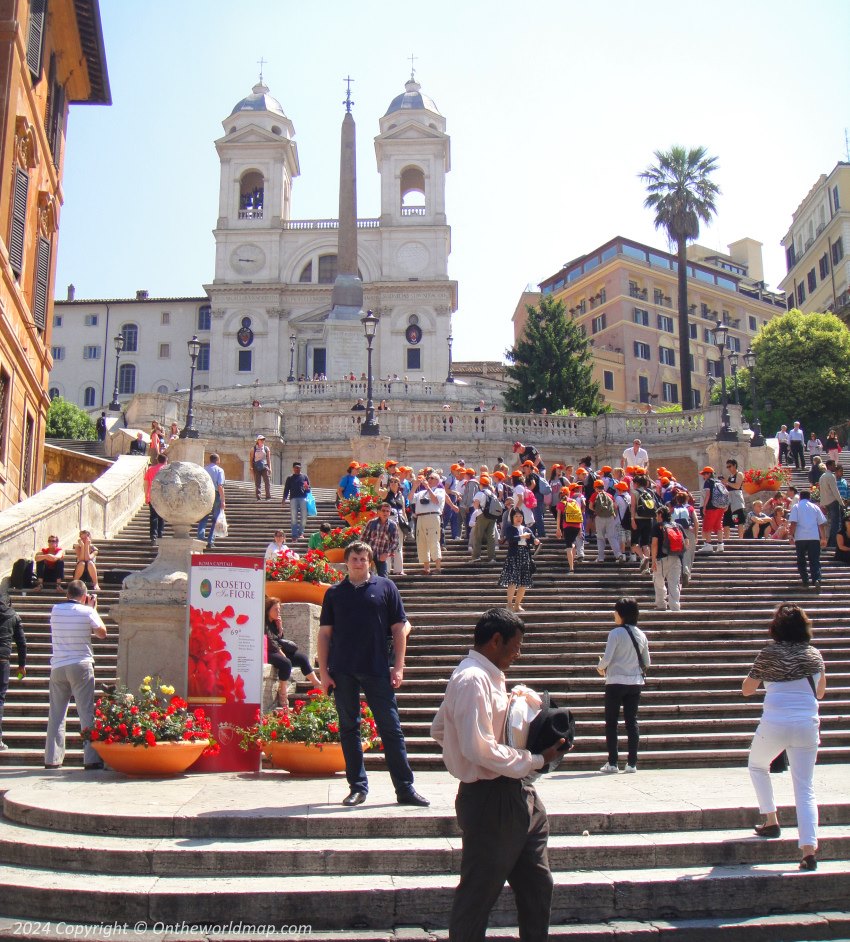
(803, 371)
(682, 194)
(551, 366)
(65, 420)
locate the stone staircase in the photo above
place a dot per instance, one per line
(665, 851)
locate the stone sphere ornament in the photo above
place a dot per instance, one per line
(182, 493)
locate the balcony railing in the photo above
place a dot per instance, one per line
(251, 213)
(327, 224)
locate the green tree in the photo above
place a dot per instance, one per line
(682, 194)
(802, 366)
(65, 420)
(551, 366)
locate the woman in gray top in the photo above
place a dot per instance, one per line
(623, 665)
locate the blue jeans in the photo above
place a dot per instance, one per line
(381, 698)
(452, 520)
(210, 518)
(298, 515)
(5, 668)
(381, 567)
(808, 550)
(539, 526)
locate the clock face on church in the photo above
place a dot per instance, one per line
(247, 259)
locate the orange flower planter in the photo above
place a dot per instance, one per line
(165, 758)
(301, 759)
(354, 520)
(312, 592)
(334, 555)
(750, 488)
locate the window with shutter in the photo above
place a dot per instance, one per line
(5, 381)
(55, 112)
(17, 237)
(29, 448)
(35, 38)
(42, 277)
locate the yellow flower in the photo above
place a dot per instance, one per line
(147, 680)
(167, 689)
(145, 688)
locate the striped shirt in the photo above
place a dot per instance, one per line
(71, 628)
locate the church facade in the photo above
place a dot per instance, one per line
(267, 308)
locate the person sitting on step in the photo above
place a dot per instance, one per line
(50, 563)
(86, 554)
(283, 654)
(758, 523)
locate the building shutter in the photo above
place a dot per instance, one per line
(42, 277)
(35, 38)
(17, 236)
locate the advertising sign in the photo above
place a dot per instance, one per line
(225, 662)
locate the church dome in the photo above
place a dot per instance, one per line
(412, 99)
(259, 100)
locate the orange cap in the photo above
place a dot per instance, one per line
(581, 471)
(621, 486)
(485, 479)
(516, 474)
(575, 487)
(707, 470)
(527, 463)
(599, 484)
(606, 469)
(499, 475)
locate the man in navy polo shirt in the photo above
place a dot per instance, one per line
(359, 615)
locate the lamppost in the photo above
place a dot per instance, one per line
(115, 405)
(370, 326)
(758, 439)
(721, 331)
(733, 359)
(291, 377)
(450, 378)
(189, 430)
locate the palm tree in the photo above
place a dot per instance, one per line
(682, 194)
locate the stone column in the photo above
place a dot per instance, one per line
(152, 606)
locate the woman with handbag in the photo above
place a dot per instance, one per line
(518, 571)
(623, 665)
(794, 678)
(284, 654)
(395, 498)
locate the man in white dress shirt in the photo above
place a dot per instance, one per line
(503, 822)
(635, 457)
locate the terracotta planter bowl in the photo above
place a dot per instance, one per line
(301, 759)
(312, 592)
(165, 758)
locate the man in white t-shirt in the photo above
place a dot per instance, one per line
(635, 457)
(72, 624)
(808, 534)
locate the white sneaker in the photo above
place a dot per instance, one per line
(719, 548)
(704, 550)
(609, 769)
(3, 746)
(630, 768)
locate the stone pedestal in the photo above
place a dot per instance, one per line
(189, 449)
(369, 449)
(152, 606)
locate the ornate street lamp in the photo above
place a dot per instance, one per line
(370, 326)
(733, 359)
(189, 430)
(758, 439)
(291, 377)
(450, 378)
(721, 332)
(115, 405)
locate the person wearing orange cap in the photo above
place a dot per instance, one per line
(635, 455)
(607, 526)
(349, 484)
(487, 510)
(715, 502)
(454, 488)
(569, 516)
(623, 505)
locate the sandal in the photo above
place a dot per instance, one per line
(809, 862)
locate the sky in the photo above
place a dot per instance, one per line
(553, 108)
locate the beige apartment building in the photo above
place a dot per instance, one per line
(816, 247)
(623, 295)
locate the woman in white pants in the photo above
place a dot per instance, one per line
(794, 679)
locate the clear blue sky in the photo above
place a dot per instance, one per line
(553, 107)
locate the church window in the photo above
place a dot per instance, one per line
(307, 273)
(165, 318)
(327, 269)
(245, 361)
(204, 317)
(413, 319)
(203, 358)
(164, 351)
(89, 395)
(130, 333)
(162, 389)
(53, 393)
(127, 379)
(414, 358)
(251, 190)
(412, 191)
(275, 129)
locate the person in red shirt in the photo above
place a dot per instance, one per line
(50, 563)
(157, 522)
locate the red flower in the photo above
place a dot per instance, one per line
(150, 738)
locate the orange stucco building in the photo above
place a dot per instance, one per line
(51, 56)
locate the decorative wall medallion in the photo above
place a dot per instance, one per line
(413, 334)
(245, 336)
(413, 257)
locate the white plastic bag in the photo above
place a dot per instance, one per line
(221, 526)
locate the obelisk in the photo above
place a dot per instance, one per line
(347, 298)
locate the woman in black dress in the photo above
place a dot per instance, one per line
(518, 571)
(842, 543)
(284, 654)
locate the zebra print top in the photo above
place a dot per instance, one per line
(782, 660)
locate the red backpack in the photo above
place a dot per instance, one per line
(674, 540)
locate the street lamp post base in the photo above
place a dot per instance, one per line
(726, 435)
(188, 433)
(114, 406)
(757, 441)
(370, 428)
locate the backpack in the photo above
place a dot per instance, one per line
(544, 488)
(572, 511)
(493, 508)
(23, 574)
(603, 506)
(529, 499)
(682, 516)
(674, 540)
(719, 495)
(646, 504)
